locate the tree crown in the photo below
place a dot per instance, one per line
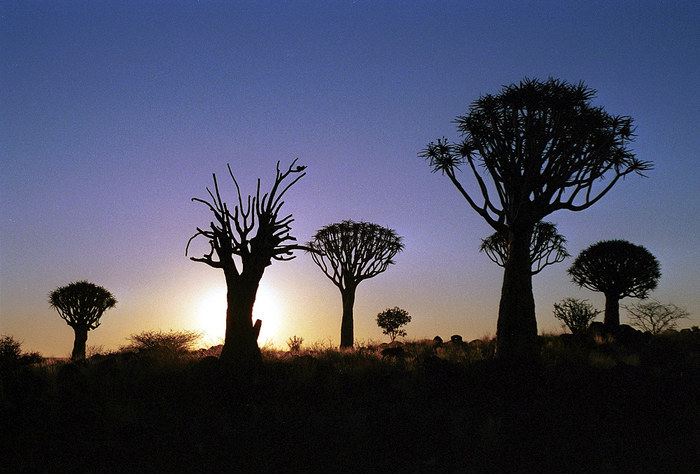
(349, 252)
(547, 247)
(391, 320)
(544, 147)
(81, 303)
(254, 231)
(616, 267)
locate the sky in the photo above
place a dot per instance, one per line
(113, 115)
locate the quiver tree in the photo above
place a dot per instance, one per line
(547, 247)
(348, 253)
(618, 269)
(243, 242)
(81, 305)
(535, 148)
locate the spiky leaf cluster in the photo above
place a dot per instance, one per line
(617, 268)
(81, 303)
(547, 247)
(349, 252)
(544, 147)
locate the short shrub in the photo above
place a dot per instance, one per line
(170, 343)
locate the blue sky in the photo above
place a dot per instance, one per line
(113, 115)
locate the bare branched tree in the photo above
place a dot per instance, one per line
(547, 247)
(535, 148)
(256, 233)
(348, 253)
(655, 317)
(81, 305)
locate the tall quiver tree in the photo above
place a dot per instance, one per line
(255, 234)
(348, 253)
(618, 269)
(81, 305)
(535, 148)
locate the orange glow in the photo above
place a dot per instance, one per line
(210, 315)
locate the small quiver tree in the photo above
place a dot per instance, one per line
(535, 148)
(655, 317)
(81, 304)
(255, 233)
(349, 252)
(618, 269)
(575, 314)
(391, 320)
(547, 247)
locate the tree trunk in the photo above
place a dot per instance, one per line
(517, 325)
(79, 343)
(611, 318)
(241, 342)
(347, 332)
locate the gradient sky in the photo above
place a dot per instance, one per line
(113, 115)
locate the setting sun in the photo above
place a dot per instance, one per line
(211, 315)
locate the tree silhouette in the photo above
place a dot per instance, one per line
(81, 304)
(547, 247)
(348, 253)
(255, 233)
(618, 269)
(655, 317)
(391, 320)
(542, 147)
(575, 314)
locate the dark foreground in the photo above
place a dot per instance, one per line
(587, 407)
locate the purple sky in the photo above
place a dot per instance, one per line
(113, 115)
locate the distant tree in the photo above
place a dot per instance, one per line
(256, 233)
(655, 317)
(575, 314)
(81, 304)
(391, 320)
(348, 253)
(547, 247)
(618, 269)
(542, 147)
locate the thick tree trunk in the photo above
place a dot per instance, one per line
(81, 335)
(611, 318)
(347, 332)
(517, 325)
(241, 343)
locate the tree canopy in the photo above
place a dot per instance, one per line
(543, 146)
(547, 247)
(81, 304)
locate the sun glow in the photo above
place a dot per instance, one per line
(211, 315)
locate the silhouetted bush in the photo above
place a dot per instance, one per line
(575, 314)
(165, 344)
